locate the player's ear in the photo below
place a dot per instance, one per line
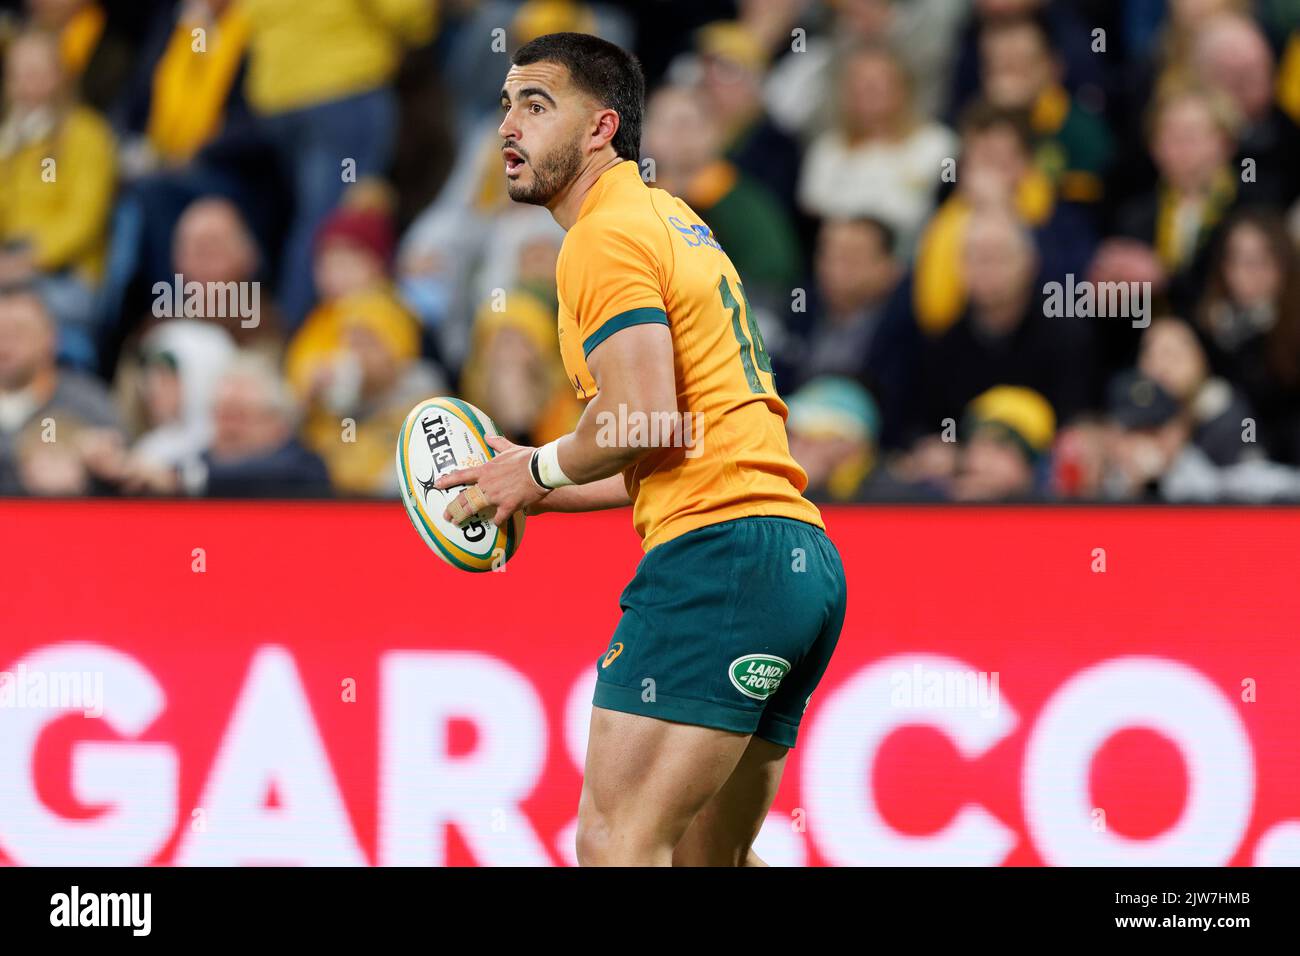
(606, 128)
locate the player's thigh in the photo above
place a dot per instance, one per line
(713, 622)
(824, 585)
(646, 779)
(724, 830)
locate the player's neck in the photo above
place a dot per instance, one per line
(568, 203)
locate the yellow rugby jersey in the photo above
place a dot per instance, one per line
(638, 255)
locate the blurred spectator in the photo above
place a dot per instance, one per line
(800, 88)
(1021, 72)
(188, 132)
(440, 251)
(1192, 143)
(1082, 71)
(1079, 459)
(35, 392)
(193, 76)
(172, 386)
(856, 270)
(682, 139)
(376, 377)
(514, 372)
(321, 365)
(732, 65)
(458, 251)
(1003, 336)
(1184, 22)
(1008, 434)
(213, 247)
(319, 75)
(254, 452)
(1150, 432)
(354, 247)
(1250, 321)
(214, 253)
(1233, 56)
(833, 425)
(56, 163)
(1163, 58)
(882, 160)
(1152, 456)
(96, 42)
(353, 255)
(182, 359)
(770, 22)
(1172, 357)
(996, 173)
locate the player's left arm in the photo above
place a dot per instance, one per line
(634, 373)
(616, 294)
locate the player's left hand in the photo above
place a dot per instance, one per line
(506, 483)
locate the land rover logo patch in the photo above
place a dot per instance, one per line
(758, 675)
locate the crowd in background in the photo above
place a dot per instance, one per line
(239, 239)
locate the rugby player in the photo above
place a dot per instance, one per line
(738, 601)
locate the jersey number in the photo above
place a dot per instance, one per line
(748, 352)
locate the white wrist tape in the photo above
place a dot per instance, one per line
(548, 466)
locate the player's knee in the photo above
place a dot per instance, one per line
(593, 840)
(602, 841)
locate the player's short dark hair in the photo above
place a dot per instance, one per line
(600, 69)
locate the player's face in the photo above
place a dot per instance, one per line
(541, 132)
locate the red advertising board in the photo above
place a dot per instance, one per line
(219, 683)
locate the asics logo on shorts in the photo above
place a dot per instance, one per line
(613, 652)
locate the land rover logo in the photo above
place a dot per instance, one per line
(758, 675)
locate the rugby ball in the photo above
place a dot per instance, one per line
(438, 436)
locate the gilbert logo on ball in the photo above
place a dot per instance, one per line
(442, 435)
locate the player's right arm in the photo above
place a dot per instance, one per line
(599, 495)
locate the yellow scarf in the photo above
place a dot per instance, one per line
(79, 38)
(1050, 110)
(190, 88)
(1173, 247)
